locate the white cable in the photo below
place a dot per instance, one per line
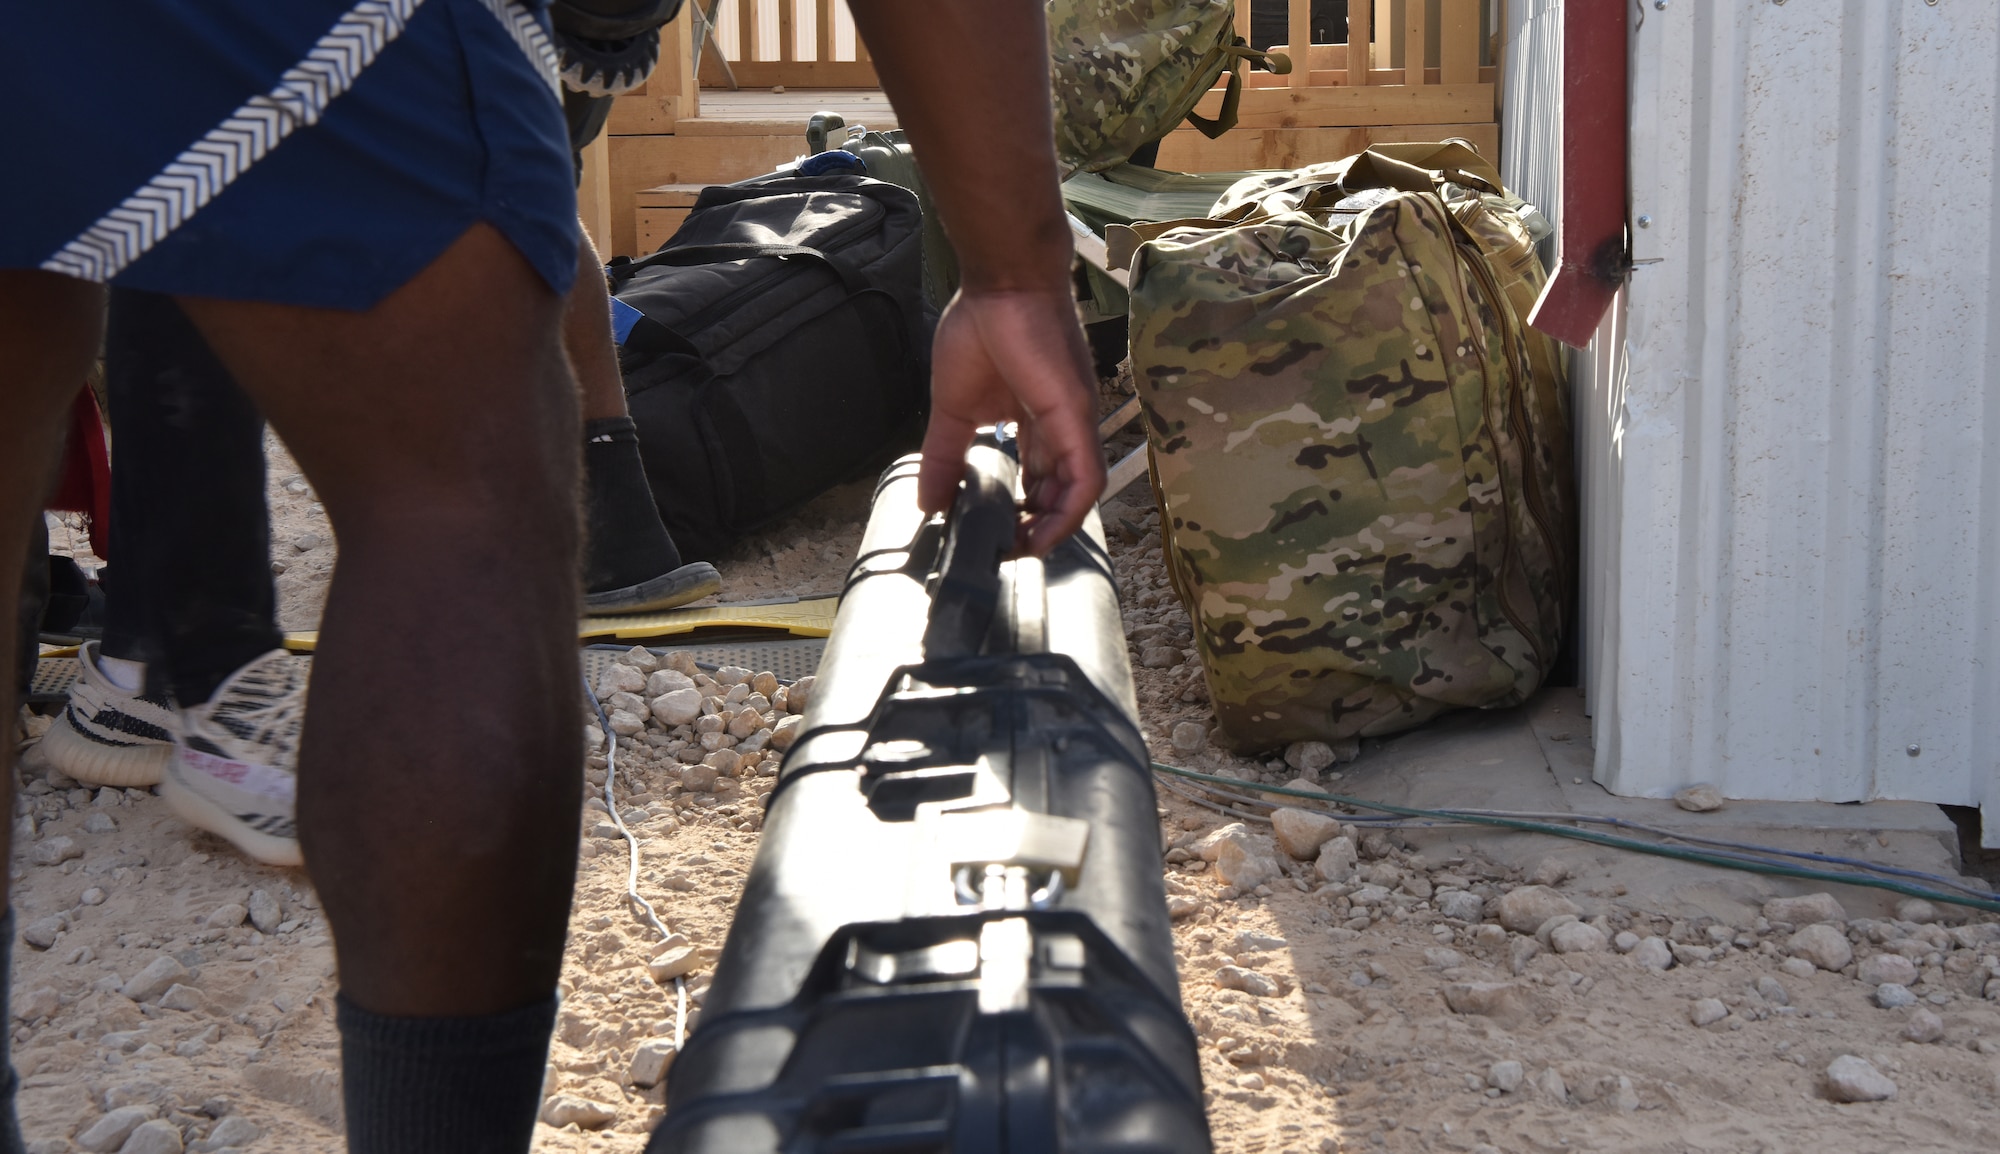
(641, 906)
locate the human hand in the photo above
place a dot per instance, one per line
(1016, 355)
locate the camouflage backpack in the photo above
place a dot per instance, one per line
(1360, 452)
(1124, 73)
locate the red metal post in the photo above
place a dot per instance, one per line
(1596, 104)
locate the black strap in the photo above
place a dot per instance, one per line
(695, 254)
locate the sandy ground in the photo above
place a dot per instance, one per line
(1370, 1021)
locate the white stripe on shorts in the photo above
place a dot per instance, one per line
(199, 174)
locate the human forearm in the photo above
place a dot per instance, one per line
(970, 83)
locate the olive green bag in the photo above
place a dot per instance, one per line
(1360, 452)
(1124, 73)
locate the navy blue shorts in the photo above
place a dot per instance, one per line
(305, 152)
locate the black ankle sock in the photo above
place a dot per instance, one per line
(10, 1123)
(442, 1085)
(626, 543)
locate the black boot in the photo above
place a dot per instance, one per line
(630, 563)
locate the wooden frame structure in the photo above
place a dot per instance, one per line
(667, 140)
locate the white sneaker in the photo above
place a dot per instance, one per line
(107, 735)
(234, 771)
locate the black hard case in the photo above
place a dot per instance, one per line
(887, 986)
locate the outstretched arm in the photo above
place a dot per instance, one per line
(970, 83)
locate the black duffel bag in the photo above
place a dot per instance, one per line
(782, 349)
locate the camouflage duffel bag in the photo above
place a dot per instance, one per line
(1360, 452)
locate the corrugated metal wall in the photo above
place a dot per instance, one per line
(1791, 437)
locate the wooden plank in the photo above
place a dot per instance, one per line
(669, 196)
(1346, 106)
(1328, 77)
(797, 74)
(1243, 18)
(641, 162)
(1299, 17)
(1458, 41)
(1384, 23)
(749, 31)
(1242, 150)
(654, 225)
(1360, 44)
(822, 29)
(1416, 42)
(788, 33)
(643, 114)
(593, 191)
(669, 94)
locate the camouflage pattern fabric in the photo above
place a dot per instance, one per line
(1123, 73)
(1361, 460)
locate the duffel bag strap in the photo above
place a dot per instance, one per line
(696, 254)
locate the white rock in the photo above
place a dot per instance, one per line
(1891, 996)
(1189, 737)
(1852, 1079)
(563, 1109)
(799, 695)
(109, 1132)
(1505, 1076)
(1336, 860)
(640, 658)
(1707, 1011)
(1209, 845)
(1550, 1083)
(40, 1002)
(1500, 1000)
(1915, 910)
(626, 724)
(1245, 867)
(1181, 907)
(661, 682)
(1461, 905)
(1443, 957)
(723, 761)
(1924, 1027)
(1822, 945)
(765, 682)
(1653, 953)
(1159, 657)
(787, 731)
(1309, 757)
(1886, 968)
(1249, 981)
(160, 974)
(1524, 910)
(732, 676)
(181, 997)
(1548, 872)
(266, 912)
(226, 917)
(1301, 832)
(1798, 967)
(619, 679)
(1626, 1097)
(678, 706)
(55, 851)
(41, 933)
(681, 661)
(230, 1133)
(650, 1062)
(631, 703)
(1578, 938)
(1699, 798)
(100, 823)
(1773, 991)
(158, 1136)
(1805, 909)
(674, 963)
(1625, 942)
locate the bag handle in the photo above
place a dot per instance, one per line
(1235, 54)
(723, 253)
(979, 535)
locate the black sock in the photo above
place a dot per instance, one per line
(442, 1085)
(10, 1122)
(625, 543)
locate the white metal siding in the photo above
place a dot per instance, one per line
(1791, 439)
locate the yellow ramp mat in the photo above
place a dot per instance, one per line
(813, 618)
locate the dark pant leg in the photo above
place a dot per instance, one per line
(190, 569)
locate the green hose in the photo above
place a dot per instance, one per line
(1776, 869)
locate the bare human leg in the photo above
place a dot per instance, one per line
(439, 776)
(50, 327)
